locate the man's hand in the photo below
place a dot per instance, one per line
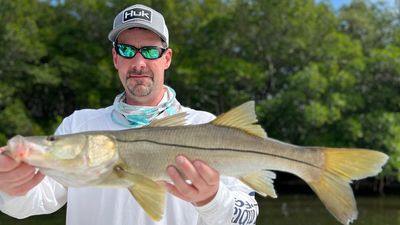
(203, 185)
(17, 178)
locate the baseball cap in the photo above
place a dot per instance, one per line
(139, 16)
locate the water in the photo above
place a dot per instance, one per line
(285, 210)
(308, 210)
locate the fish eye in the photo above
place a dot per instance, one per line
(51, 138)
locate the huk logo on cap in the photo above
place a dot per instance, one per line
(136, 13)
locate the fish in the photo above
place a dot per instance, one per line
(233, 143)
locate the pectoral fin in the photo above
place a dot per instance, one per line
(149, 194)
(261, 182)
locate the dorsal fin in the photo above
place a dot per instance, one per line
(170, 121)
(242, 117)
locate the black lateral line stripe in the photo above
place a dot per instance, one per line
(219, 149)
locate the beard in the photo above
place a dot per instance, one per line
(139, 83)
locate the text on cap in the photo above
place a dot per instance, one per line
(136, 13)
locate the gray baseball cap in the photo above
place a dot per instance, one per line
(139, 16)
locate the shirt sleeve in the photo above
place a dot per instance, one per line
(47, 197)
(234, 204)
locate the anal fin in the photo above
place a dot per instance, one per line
(261, 182)
(149, 194)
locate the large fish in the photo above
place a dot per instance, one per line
(232, 143)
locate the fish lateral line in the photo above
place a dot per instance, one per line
(219, 149)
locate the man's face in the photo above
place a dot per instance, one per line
(143, 79)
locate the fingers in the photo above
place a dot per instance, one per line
(191, 173)
(24, 188)
(181, 188)
(209, 175)
(17, 178)
(7, 163)
(19, 175)
(203, 185)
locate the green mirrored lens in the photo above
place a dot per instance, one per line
(126, 51)
(150, 53)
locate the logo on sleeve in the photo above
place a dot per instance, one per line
(245, 213)
(136, 13)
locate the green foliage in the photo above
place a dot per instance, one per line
(319, 76)
(381, 131)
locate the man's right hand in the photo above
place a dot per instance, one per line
(17, 178)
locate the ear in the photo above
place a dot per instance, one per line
(168, 58)
(115, 58)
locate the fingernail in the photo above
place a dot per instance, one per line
(180, 159)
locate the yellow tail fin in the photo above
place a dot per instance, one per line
(341, 167)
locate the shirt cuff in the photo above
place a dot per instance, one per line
(218, 204)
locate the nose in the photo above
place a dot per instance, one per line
(138, 62)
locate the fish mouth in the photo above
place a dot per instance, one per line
(21, 148)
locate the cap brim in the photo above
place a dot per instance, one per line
(113, 35)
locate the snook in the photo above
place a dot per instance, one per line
(232, 143)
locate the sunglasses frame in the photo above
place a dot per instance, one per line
(139, 50)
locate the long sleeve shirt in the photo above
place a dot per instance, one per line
(233, 204)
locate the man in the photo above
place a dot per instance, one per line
(140, 55)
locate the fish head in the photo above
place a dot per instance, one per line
(73, 159)
(37, 150)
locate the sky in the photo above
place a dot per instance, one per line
(338, 3)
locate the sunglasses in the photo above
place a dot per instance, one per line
(148, 52)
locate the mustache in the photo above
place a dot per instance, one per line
(133, 72)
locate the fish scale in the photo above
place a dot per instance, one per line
(204, 141)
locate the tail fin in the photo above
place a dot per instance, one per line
(340, 168)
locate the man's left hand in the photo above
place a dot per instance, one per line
(195, 182)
